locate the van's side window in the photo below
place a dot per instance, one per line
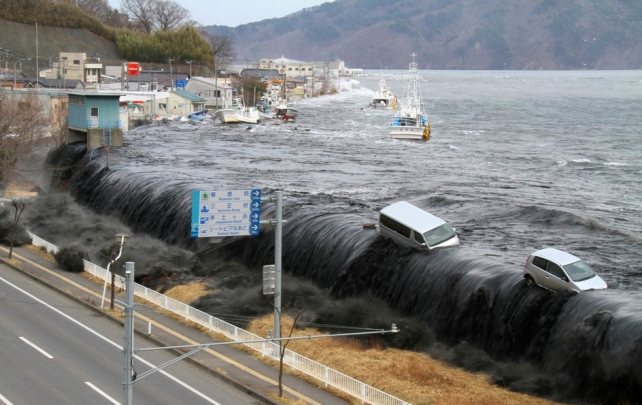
(395, 226)
(418, 237)
(540, 262)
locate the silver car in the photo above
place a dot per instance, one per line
(560, 271)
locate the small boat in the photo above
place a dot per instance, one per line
(197, 115)
(411, 121)
(285, 113)
(238, 113)
(383, 97)
(264, 108)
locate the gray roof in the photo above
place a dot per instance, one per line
(266, 73)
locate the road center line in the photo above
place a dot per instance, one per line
(4, 400)
(33, 345)
(101, 392)
(109, 341)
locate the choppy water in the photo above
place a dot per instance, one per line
(517, 161)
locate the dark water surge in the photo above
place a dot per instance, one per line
(518, 161)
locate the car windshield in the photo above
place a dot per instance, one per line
(438, 235)
(579, 271)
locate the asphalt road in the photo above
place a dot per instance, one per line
(54, 350)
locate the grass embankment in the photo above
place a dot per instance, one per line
(414, 377)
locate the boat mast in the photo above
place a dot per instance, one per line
(413, 90)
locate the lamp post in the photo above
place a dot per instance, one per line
(189, 62)
(121, 238)
(15, 67)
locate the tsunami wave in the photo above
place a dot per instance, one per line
(589, 345)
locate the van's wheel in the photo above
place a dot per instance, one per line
(529, 281)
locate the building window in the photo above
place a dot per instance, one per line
(76, 62)
(94, 112)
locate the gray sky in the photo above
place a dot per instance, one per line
(237, 12)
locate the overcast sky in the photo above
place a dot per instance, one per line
(237, 12)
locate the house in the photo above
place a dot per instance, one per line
(263, 74)
(183, 102)
(142, 106)
(94, 118)
(216, 95)
(289, 67)
(74, 66)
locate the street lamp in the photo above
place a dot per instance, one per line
(190, 67)
(121, 238)
(15, 67)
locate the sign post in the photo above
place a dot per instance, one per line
(226, 213)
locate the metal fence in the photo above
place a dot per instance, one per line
(326, 375)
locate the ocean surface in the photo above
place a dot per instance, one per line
(517, 161)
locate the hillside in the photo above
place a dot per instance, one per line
(20, 39)
(453, 34)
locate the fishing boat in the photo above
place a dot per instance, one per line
(238, 113)
(411, 121)
(285, 113)
(383, 97)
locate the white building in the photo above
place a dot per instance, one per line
(74, 66)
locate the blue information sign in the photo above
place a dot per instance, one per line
(226, 213)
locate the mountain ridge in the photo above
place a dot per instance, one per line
(452, 34)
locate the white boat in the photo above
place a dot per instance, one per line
(285, 113)
(238, 113)
(411, 121)
(383, 97)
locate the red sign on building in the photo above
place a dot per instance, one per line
(133, 68)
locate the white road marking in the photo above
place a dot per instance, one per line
(101, 392)
(33, 345)
(104, 338)
(4, 400)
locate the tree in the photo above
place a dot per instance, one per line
(222, 50)
(102, 11)
(154, 15)
(19, 206)
(251, 87)
(169, 15)
(142, 11)
(22, 123)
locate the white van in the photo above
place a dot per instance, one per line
(410, 226)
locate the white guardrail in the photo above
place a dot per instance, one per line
(326, 375)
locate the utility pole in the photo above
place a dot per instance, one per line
(278, 236)
(128, 346)
(37, 67)
(171, 82)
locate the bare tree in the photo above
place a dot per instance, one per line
(221, 48)
(98, 8)
(142, 11)
(19, 206)
(22, 124)
(169, 15)
(155, 15)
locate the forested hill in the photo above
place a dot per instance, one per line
(453, 34)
